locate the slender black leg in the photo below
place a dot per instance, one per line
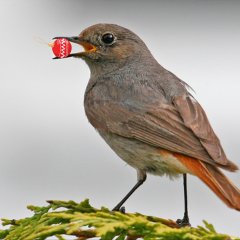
(185, 221)
(138, 184)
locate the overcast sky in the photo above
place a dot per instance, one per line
(48, 148)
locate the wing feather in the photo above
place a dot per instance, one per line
(195, 118)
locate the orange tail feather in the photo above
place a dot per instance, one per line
(214, 179)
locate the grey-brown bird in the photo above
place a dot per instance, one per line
(147, 115)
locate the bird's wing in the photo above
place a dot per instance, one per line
(181, 127)
(195, 118)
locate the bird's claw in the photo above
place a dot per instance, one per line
(183, 222)
(121, 210)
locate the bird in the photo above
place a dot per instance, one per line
(148, 116)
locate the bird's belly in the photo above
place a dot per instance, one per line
(142, 156)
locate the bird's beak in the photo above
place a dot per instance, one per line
(87, 46)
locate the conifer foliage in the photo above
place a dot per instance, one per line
(85, 222)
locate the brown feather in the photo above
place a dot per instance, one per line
(195, 118)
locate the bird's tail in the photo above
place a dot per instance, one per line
(214, 179)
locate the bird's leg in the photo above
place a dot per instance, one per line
(185, 221)
(141, 180)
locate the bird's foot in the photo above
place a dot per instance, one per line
(184, 222)
(121, 209)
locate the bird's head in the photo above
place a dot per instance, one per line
(107, 44)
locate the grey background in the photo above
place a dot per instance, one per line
(48, 148)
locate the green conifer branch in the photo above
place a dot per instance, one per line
(101, 223)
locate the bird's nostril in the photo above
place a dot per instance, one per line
(75, 38)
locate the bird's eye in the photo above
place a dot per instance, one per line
(108, 38)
